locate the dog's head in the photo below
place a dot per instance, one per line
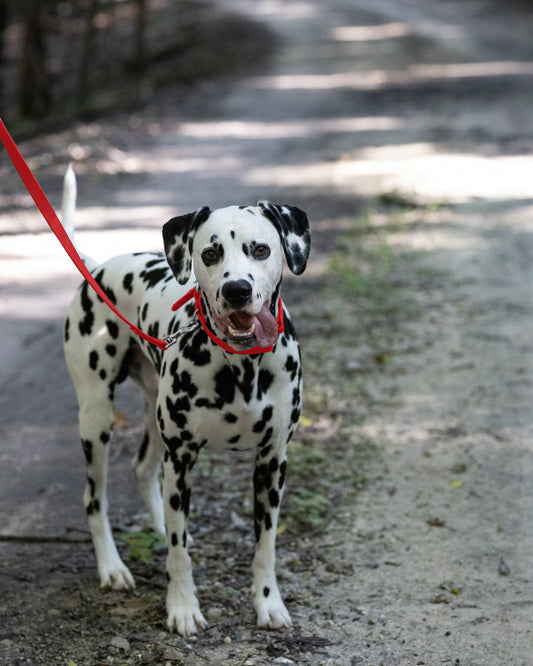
(236, 254)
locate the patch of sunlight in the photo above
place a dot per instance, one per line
(279, 130)
(369, 33)
(417, 168)
(380, 78)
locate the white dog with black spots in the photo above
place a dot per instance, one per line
(197, 392)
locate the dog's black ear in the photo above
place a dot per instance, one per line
(293, 227)
(178, 234)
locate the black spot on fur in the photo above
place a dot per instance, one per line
(259, 426)
(296, 397)
(191, 347)
(178, 410)
(107, 290)
(186, 500)
(266, 591)
(173, 444)
(93, 507)
(111, 350)
(182, 382)
(291, 366)
(86, 324)
(273, 498)
(93, 360)
(174, 539)
(104, 437)
(230, 418)
(143, 448)
(262, 479)
(112, 327)
(264, 381)
(66, 330)
(103, 374)
(154, 277)
(87, 446)
(225, 384)
(266, 439)
(127, 283)
(175, 502)
(282, 470)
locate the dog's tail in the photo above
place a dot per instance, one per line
(68, 212)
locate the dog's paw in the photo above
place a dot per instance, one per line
(186, 619)
(117, 578)
(272, 614)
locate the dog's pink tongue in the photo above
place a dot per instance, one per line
(266, 327)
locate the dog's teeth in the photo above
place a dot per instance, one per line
(242, 334)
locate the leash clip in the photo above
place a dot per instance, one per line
(172, 339)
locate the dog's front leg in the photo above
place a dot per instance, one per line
(269, 479)
(183, 610)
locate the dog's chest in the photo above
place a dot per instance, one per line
(229, 406)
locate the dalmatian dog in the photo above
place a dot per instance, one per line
(197, 393)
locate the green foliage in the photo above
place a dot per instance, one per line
(142, 544)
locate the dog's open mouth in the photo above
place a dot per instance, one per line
(244, 329)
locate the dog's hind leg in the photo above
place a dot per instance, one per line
(96, 422)
(147, 462)
(97, 353)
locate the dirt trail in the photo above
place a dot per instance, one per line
(432, 562)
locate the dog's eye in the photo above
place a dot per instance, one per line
(261, 251)
(209, 256)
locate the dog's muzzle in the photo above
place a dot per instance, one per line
(240, 326)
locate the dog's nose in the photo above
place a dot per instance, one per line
(237, 293)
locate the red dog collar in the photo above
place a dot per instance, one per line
(196, 293)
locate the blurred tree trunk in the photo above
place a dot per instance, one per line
(86, 52)
(34, 96)
(3, 26)
(139, 57)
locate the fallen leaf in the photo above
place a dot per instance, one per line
(436, 522)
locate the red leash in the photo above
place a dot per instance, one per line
(55, 225)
